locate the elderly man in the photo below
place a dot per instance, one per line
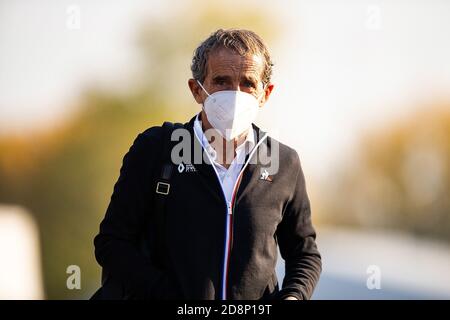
(209, 227)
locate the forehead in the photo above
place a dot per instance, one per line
(226, 62)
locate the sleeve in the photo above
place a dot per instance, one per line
(296, 238)
(116, 244)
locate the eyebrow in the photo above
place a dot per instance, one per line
(221, 78)
(228, 78)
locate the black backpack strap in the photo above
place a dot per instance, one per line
(162, 186)
(163, 182)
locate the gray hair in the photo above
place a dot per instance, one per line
(241, 41)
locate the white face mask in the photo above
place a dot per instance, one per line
(230, 112)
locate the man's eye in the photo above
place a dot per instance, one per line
(220, 82)
(249, 84)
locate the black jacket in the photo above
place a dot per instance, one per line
(192, 265)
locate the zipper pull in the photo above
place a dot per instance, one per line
(230, 211)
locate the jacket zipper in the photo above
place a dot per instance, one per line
(230, 222)
(228, 235)
(229, 215)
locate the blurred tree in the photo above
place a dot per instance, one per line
(399, 179)
(65, 175)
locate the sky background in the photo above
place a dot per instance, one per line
(341, 68)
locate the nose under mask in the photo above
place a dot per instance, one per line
(230, 112)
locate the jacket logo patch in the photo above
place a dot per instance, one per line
(186, 168)
(265, 176)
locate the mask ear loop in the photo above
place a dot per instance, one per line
(203, 104)
(203, 88)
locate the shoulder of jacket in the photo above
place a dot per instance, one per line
(148, 140)
(153, 137)
(287, 154)
(156, 132)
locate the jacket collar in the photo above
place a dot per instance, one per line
(252, 170)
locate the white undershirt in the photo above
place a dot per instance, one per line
(227, 177)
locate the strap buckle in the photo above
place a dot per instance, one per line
(163, 188)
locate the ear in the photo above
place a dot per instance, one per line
(266, 96)
(196, 90)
